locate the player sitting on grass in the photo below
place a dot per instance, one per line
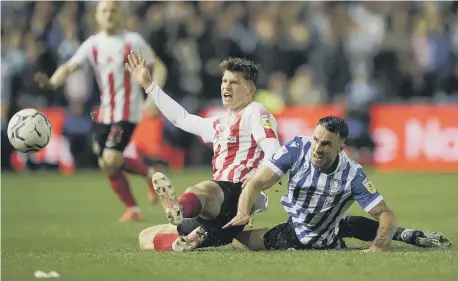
(161, 237)
(322, 184)
(241, 139)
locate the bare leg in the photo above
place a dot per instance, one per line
(211, 198)
(203, 199)
(251, 240)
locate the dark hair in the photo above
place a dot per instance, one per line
(248, 68)
(335, 125)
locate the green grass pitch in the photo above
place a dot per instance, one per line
(69, 225)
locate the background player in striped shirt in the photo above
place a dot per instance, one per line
(322, 184)
(241, 140)
(121, 98)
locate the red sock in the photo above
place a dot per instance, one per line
(163, 242)
(135, 166)
(120, 185)
(191, 205)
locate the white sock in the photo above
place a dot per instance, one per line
(151, 172)
(135, 209)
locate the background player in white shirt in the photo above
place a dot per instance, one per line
(121, 98)
(241, 139)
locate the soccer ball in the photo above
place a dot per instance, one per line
(29, 131)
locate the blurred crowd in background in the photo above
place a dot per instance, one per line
(311, 53)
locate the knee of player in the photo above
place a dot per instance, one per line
(193, 189)
(204, 189)
(202, 193)
(145, 240)
(112, 159)
(199, 191)
(101, 163)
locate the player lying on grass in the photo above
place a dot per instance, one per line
(121, 99)
(322, 184)
(161, 237)
(241, 139)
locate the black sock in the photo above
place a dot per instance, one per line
(397, 234)
(358, 227)
(363, 228)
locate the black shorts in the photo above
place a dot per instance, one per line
(115, 136)
(283, 237)
(216, 236)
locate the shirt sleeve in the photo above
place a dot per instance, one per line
(82, 54)
(269, 147)
(263, 126)
(285, 157)
(179, 117)
(364, 192)
(145, 50)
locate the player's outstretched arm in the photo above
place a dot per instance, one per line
(58, 78)
(174, 112)
(264, 179)
(386, 229)
(65, 70)
(367, 196)
(270, 173)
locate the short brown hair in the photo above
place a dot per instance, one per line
(335, 125)
(248, 68)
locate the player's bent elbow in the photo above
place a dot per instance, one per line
(68, 68)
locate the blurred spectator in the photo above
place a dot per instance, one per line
(302, 89)
(310, 53)
(361, 91)
(332, 39)
(273, 96)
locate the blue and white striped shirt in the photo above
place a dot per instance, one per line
(315, 201)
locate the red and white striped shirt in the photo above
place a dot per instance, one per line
(121, 97)
(237, 139)
(240, 142)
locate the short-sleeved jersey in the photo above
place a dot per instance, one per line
(317, 201)
(121, 96)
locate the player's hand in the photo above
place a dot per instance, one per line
(95, 113)
(43, 81)
(136, 65)
(239, 219)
